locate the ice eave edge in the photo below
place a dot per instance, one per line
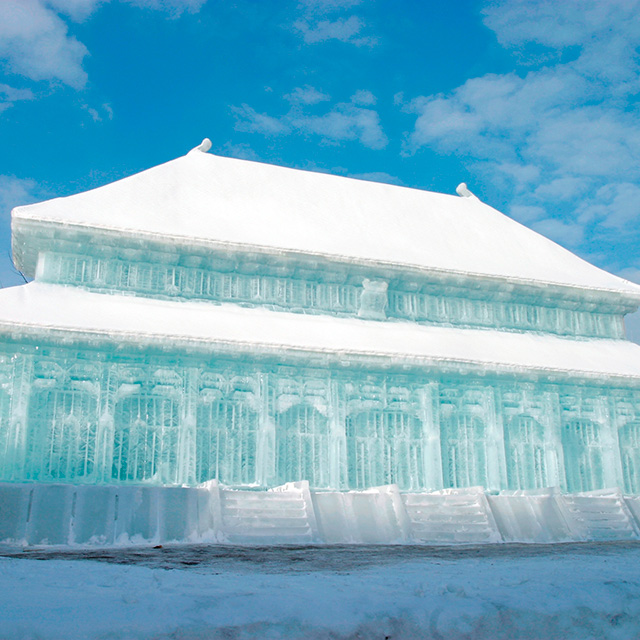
(25, 259)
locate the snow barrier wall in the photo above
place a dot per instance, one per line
(57, 514)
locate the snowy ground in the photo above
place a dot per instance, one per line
(191, 593)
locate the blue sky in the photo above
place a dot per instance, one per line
(533, 104)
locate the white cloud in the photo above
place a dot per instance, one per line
(318, 23)
(326, 6)
(241, 150)
(35, 40)
(76, 9)
(562, 137)
(173, 7)
(306, 95)
(363, 98)
(342, 29)
(249, 120)
(9, 95)
(345, 121)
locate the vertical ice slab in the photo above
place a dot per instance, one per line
(531, 516)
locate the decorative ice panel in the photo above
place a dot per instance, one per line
(303, 445)
(525, 453)
(361, 296)
(629, 438)
(96, 419)
(61, 433)
(146, 439)
(385, 447)
(464, 451)
(581, 441)
(226, 442)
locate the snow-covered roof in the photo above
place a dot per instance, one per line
(45, 308)
(205, 197)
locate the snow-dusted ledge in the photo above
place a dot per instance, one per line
(57, 514)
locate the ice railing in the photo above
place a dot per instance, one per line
(305, 295)
(116, 421)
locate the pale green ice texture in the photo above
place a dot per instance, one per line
(101, 413)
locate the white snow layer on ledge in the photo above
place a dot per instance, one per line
(201, 196)
(145, 321)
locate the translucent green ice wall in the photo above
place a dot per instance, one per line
(338, 293)
(101, 416)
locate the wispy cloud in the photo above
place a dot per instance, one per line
(10, 95)
(306, 95)
(320, 21)
(345, 121)
(35, 40)
(564, 135)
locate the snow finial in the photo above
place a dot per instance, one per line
(204, 146)
(463, 192)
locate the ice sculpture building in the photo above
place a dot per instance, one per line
(218, 319)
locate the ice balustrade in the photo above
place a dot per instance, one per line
(70, 418)
(297, 294)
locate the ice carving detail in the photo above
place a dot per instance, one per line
(373, 302)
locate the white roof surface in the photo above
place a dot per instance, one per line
(225, 200)
(147, 321)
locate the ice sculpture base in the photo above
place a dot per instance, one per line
(58, 514)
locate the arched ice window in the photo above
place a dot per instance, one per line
(62, 434)
(525, 453)
(582, 455)
(385, 447)
(464, 451)
(629, 438)
(146, 439)
(302, 434)
(226, 442)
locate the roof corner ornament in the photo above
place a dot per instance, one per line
(463, 191)
(204, 146)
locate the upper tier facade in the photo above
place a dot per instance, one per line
(223, 230)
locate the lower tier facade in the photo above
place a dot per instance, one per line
(293, 514)
(105, 416)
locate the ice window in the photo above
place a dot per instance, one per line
(582, 455)
(629, 438)
(62, 438)
(464, 456)
(524, 447)
(146, 439)
(226, 443)
(385, 447)
(303, 446)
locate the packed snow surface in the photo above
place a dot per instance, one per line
(574, 592)
(201, 196)
(39, 305)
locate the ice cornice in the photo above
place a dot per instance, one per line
(202, 198)
(65, 237)
(67, 314)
